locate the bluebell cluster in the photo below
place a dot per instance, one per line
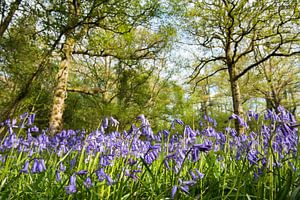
(275, 136)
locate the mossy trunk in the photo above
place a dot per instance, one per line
(60, 93)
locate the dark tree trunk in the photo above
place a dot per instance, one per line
(236, 97)
(13, 8)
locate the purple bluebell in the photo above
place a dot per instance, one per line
(34, 168)
(240, 120)
(109, 180)
(101, 174)
(194, 177)
(88, 182)
(71, 189)
(176, 121)
(200, 175)
(57, 176)
(31, 119)
(82, 172)
(203, 147)
(42, 163)
(185, 188)
(253, 157)
(113, 121)
(73, 162)
(105, 123)
(25, 168)
(11, 141)
(195, 154)
(166, 163)
(188, 183)
(174, 190)
(104, 161)
(292, 166)
(132, 173)
(2, 158)
(34, 129)
(24, 115)
(131, 161)
(62, 168)
(143, 119)
(40, 167)
(252, 114)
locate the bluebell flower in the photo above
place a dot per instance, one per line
(185, 188)
(40, 167)
(2, 158)
(174, 190)
(82, 172)
(105, 123)
(252, 157)
(24, 115)
(88, 182)
(143, 119)
(113, 121)
(25, 168)
(34, 129)
(71, 189)
(109, 180)
(42, 163)
(203, 147)
(31, 119)
(73, 162)
(101, 174)
(34, 168)
(200, 175)
(57, 176)
(176, 121)
(166, 163)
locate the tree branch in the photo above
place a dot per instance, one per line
(208, 76)
(201, 65)
(273, 54)
(88, 91)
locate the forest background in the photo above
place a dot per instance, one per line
(74, 62)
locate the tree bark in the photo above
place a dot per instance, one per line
(60, 93)
(236, 98)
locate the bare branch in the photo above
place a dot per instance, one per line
(202, 64)
(208, 76)
(273, 54)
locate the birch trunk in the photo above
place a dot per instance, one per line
(60, 93)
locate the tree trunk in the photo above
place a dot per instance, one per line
(13, 8)
(236, 98)
(269, 103)
(60, 93)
